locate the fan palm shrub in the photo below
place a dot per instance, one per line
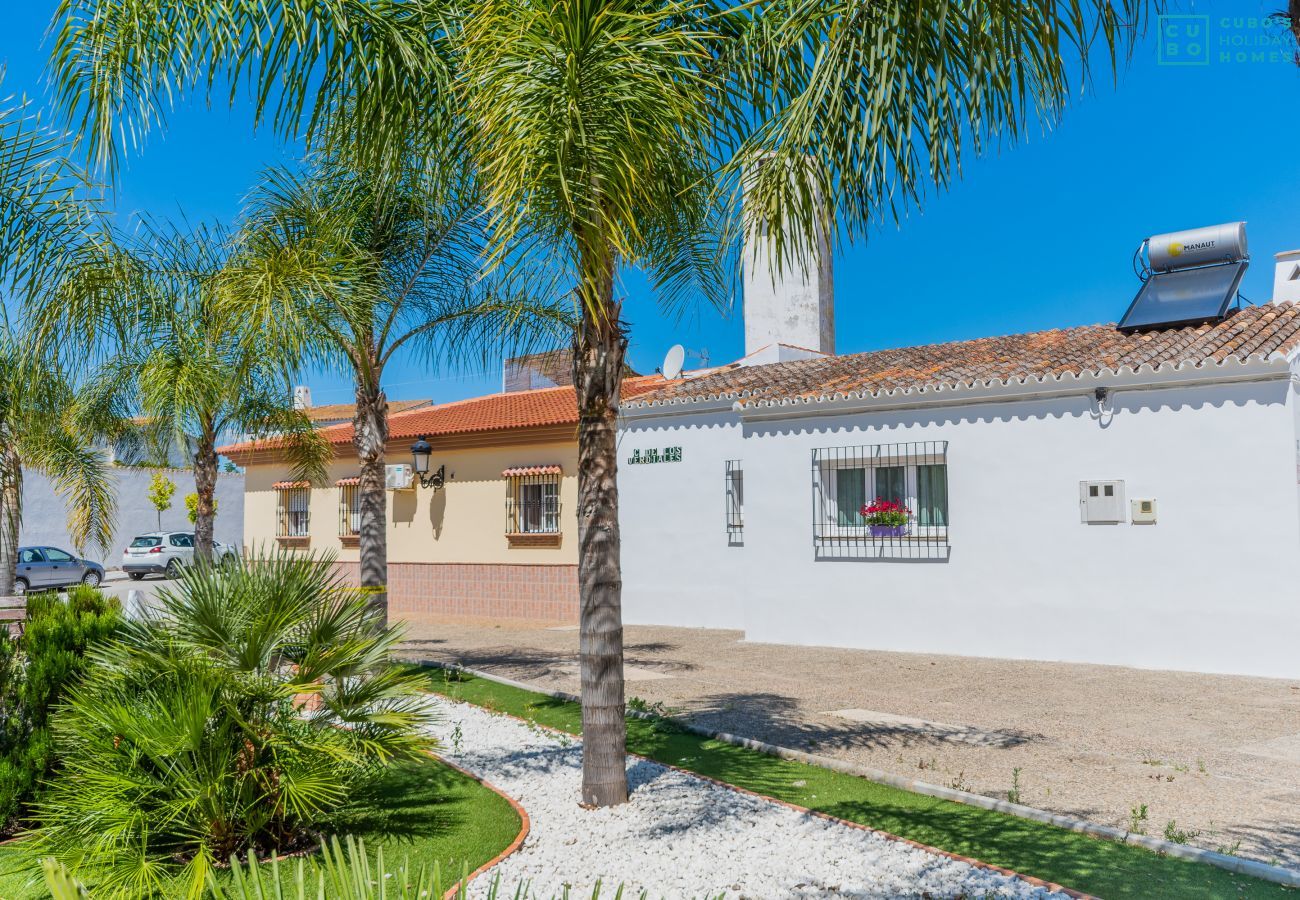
(238, 719)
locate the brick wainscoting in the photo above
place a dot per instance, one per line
(422, 591)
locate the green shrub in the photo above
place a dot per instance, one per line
(240, 719)
(36, 670)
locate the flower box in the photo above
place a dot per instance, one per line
(888, 531)
(886, 518)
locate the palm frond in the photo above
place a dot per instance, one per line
(48, 207)
(370, 70)
(866, 105)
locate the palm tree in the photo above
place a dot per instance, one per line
(620, 133)
(46, 426)
(347, 270)
(47, 216)
(195, 374)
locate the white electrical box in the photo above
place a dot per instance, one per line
(1144, 512)
(399, 477)
(1101, 502)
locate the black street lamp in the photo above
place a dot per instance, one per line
(421, 450)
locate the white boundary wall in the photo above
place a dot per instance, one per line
(1211, 587)
(45, 512)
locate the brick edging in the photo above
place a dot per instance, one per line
(525, 825)
(976, 863)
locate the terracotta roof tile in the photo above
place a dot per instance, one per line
(492, 413)
(1252, 331)
(334, 412)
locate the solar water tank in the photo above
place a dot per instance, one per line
(1197, 247)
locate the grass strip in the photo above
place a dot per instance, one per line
(1079, 861)
(422, 812)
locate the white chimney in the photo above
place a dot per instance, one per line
(301, 397)
(1286, 277)
(792, 304)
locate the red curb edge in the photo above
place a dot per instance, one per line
(979, 864)
(525, 824)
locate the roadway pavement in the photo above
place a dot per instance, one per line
(118, 585)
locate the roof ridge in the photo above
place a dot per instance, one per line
(1021, 358)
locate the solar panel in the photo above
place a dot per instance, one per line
(1184, 297)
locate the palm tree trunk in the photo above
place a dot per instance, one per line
(205, 485)
(11, 517)
(599, 349)
(369, 438)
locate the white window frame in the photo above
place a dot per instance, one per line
(828, 483)
(734, 492)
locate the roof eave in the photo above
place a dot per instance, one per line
(1187, 374)
(683, 406)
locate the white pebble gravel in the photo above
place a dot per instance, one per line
(681, 836)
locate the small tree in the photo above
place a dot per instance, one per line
(161, 489)
(192, 507)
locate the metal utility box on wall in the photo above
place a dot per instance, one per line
(1144, 512)
(399, 477)
(1101, 502)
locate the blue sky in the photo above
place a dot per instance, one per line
(1037, 236)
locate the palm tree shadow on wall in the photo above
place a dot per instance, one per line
(438, 512)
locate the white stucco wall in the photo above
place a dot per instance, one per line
(1211, 587)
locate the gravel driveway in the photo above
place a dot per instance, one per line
(1216, 756)
(681, 836)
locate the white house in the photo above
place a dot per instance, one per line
(1084, 494)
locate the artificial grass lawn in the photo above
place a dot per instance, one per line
(1100, 867)
(424, 812)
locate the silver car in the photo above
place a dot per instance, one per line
(165, 552)
(49, 568)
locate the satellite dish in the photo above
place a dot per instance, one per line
(673, 360)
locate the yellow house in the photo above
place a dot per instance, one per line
(497, 540)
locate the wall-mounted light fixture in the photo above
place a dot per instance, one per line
(421, 450)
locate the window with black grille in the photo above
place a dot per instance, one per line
(293, 510)
(533, 504)
(349, 507)
(735, 494)
(881, 501)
